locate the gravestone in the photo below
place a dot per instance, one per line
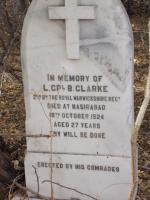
(77, 58)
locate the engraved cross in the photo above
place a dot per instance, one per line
(72, 13)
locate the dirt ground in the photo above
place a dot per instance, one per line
(139, 22)
(12, 110)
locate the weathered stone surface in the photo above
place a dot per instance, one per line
(106, 55)
(80, 177)
(79, 110)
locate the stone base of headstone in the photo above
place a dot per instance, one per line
(106, 173)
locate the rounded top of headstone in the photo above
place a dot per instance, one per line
(106, 27)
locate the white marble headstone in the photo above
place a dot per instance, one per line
(77, 58)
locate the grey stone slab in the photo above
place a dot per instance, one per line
(95, 111)
(77, 59)
(80, 177)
